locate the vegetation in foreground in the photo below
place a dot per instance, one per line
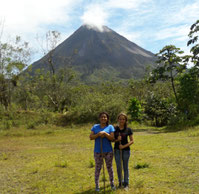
(50, 159)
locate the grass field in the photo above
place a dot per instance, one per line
(50, 159)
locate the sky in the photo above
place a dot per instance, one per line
(151, 24)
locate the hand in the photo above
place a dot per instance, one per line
(121, 147)
(119, 138)
(101, 134)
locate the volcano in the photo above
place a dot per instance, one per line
(99, 55)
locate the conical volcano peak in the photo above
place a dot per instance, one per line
(98, 53)
(99, 28)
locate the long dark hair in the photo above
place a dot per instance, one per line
(123, 114)
(105, 113)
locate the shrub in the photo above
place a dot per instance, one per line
(135, 109)
(61, 164)
(188, 94)
(91, 163)
(159, 110)
(139, 166)
(31, 125)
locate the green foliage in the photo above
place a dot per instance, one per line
(30, 119)
(135, 109)
(170, 64)
(13, 60)
(49, 96)
(89, 107)
(7, 124)
(31, 125)
(193, 35)
(91, 163)
(189, 94)
(3, 156)
(61, 164)
(159, 110)
(88, 101)
(143, 165)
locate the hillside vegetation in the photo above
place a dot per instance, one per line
(167, 95)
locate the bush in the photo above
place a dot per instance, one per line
(188, 94)
(89, 107)
(159, 110)
(139, 166)
(135, 109)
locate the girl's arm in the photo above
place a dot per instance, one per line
(119, 138)
(93, 136)
(128, 144)
(107, 135)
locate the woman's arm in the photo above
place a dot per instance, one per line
(93, 136)
(102, 134)
(119, 138)
(128, 144)
(110, 136)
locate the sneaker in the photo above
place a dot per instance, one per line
(120, 185)
(97, 188)
(113, 187)
(126, 188)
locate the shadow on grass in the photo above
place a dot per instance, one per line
(91, 191)
(87, 191)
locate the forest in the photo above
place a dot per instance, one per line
(168, 95)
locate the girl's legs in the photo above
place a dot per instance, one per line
(98, 166)
(125, 158)
(118, 164)
(109, 161)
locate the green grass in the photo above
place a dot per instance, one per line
(50, 159)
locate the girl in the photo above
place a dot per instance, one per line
(121, 134)
(106, 132)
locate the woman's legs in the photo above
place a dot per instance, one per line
(118, 164)
(98, 166)
(109, 164)
(125, 158)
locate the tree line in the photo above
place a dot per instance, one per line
(167, 95)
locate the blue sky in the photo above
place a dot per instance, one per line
(151, 24)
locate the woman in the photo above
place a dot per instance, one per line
(103, 133)
(122, 149)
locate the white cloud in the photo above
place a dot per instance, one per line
(178, 32)
(95, 15)
(151, 23)
(127, 4)
(133, 36)
(27, 16)
(99, 13)
(186, 14)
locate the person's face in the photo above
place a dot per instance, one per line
(122, 120)
(103, 119)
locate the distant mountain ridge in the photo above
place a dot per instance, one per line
(100, 55)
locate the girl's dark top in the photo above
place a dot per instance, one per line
(124, 133)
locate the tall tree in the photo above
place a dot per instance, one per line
(188, 93)
(170, 63)
(56, 82)
(193, 35)
(13, 60)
